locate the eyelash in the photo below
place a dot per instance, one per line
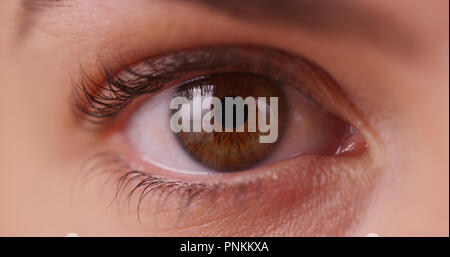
(129, 183)
(113, 98)
(99, 100)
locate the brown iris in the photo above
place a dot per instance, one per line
(231, 151)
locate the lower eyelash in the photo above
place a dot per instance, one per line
(148, 184)
(138, 185)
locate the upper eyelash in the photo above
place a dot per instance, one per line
(96, 101)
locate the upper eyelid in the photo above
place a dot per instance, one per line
(97, 100)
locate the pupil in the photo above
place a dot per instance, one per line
(235, 125)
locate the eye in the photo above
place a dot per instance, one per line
(298, 127)
(298, 136)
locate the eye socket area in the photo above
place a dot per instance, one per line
(156, 166)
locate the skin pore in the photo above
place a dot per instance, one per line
(390, 59)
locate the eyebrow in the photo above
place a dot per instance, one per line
(29, 10)
(336, 17)
(339, 17)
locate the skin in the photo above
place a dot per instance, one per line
(400, 86)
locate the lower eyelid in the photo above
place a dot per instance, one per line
(301, 183)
